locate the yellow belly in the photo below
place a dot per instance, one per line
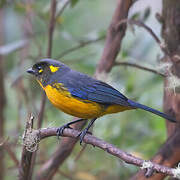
(79, 108)
(70, 105)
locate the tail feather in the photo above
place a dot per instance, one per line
(146, 108)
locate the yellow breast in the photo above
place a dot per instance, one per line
(63, 100)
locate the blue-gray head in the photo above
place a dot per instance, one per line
(45, 69)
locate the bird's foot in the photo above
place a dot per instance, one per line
(82, 134)
(60, 130)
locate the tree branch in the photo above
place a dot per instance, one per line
(63, 151)
(114, 37)
(60, 10)
(49, 52)
(80, 45)
(167, 156)
(139, 67)
(11, 153)
(162, 46)
(109, 148)
(26, 157)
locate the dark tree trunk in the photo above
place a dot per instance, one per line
(2, 101)
(169, 153)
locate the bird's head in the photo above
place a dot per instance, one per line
(45, 69)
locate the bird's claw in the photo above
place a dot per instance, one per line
(82, 134)
(60, 130)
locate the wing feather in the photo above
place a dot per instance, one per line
(87, 88)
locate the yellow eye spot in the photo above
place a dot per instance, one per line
(40, 70)
(53, 68)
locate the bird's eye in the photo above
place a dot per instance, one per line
(40, 70)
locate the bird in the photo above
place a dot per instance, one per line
(82, 96)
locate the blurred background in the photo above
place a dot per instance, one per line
(23, 41)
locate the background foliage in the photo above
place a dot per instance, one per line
(137, 132)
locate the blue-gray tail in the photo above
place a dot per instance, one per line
(146, 108)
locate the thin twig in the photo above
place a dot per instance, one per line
(80, 153)
(11, 47)
(9, 151)
(109, 148)
(51, 27)
(80, 45)
(41, 112)
(60, 10)
(11, 154)
(67, 176)
(141, 24)
(49, 52)
(139, 67)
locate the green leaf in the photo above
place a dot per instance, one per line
(74, 2)
(135, 16)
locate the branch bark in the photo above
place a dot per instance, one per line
(139, 67)
(109, 148)
(114, 37)
(63, 151)
(167, 156)
(26, 157)
(171, 36)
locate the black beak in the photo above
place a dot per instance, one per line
(31, 71)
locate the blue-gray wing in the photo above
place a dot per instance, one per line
(87, 88)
